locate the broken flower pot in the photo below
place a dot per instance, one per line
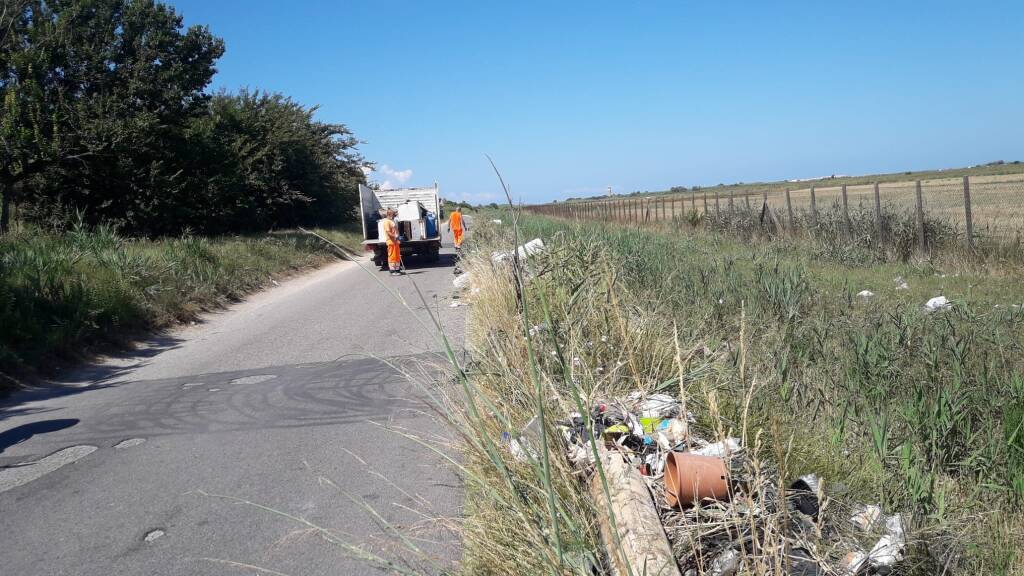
(690, 478)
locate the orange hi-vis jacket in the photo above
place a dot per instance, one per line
(391, 230)
(455, 223)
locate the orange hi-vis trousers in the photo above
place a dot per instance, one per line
(458, 237)
(394, 256)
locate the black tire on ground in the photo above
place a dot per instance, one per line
(434, 255)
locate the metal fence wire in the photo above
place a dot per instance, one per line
(969, 209)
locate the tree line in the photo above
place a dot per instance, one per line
(106, 117)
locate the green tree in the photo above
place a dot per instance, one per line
(262, 160)
(96, 95)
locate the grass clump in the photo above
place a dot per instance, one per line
(62, 292)
(918, 412)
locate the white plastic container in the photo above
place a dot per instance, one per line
(410, 211)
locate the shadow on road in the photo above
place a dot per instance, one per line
(95, 375)
(19, 434)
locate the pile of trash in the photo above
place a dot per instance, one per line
(723, 512)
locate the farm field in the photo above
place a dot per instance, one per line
(997, 200)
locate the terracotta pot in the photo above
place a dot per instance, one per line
(691, 478)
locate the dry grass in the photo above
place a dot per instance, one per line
(779, 382)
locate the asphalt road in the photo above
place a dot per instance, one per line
(154, 462)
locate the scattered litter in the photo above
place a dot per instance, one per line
(531, 248)
(455, 304)
(461, 281)
(538, 328)
(495, 221)
(535, 246)
(804, 495)
(726, 564)
(901, 284)
(722, 449)
(695, 483)
(691, 478)
(866, 294)
(865, 517)
(153, 535)
(937, 303)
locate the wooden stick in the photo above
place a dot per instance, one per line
(640, 533)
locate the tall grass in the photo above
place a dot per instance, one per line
(918, 412)
(61, 292)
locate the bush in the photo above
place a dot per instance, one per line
(60, 293)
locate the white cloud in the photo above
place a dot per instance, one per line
(388, 177)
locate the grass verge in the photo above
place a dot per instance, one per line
(63, 293)
(919, 412)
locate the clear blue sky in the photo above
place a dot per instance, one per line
(569, 98)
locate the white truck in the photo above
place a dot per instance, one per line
(419, 221)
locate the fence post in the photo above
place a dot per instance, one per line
(662, 208)
(732, 195)
(789, 209)
(705, 203)
(920, 216)
(746, 201)
(967, 211)
(693, 202)
(814, 209)
(878, 213)
(846, 213)
(718, 207)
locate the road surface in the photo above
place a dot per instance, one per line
(143, 464)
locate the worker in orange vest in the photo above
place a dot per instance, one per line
(457, 227)
(394, 249)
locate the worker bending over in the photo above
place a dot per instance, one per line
(394, 248)
(457, 227)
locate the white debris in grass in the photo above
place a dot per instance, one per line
(719, 449)
(901, 284)
(937, 303)
(866, 294)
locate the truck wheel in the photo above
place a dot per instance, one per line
(434, 255)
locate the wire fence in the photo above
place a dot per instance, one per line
(968, 210)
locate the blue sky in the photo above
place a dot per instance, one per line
(569, 98)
